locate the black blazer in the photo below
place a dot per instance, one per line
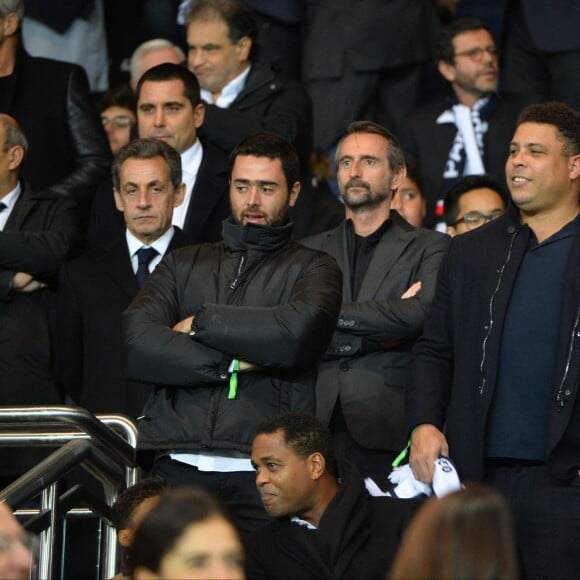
(68, 149)
(42, 231)
(455, 363)
(208, 207)
(94, 290)
(429, 143)
(371, 382)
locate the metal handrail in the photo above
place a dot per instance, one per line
(44, 426)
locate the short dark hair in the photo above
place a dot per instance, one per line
(120, 96)
(304, 434)
(169, 71)
(237, 16)
(132, 497)
(395, 153)
(272, 146)
(444, 49)
(162, 527)
(565, 119)
(147, 149)
(465, 185)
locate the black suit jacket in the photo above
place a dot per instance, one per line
(269, 103)
(94, 290)
(456, 361)
(208, 207)
(429, 143)
(68, 152)
(371, 382)
(42, 231)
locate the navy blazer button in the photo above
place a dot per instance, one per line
(344, 366)
(567, 392)
(224, 376)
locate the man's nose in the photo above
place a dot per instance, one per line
(143, 198)
(254, 198)
(355, 169)
(159, 119)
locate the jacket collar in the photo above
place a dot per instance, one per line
(255, 237)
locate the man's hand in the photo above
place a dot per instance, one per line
(248, 366)
(184, 325)
(23, 282)
(412, 290)
(427, 444)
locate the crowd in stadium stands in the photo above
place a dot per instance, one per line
(302, 243)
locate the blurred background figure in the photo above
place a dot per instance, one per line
(467, 534)
(408, 199)
(71, 31)
(131, 507)
(473, 201)
(16, 547)
(117, 108)
(150, 54)
(186, 535)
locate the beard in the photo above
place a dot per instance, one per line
(277, 217)
(367, 199)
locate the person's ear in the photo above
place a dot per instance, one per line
(10, 24)
(244, 47)
(294, 192)
(179, 195)
(199, 115)
(15, 157)
(446, 70)
(317, 465)
(575, 167)
(118, 200)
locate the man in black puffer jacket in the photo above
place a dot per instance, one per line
(233, 332)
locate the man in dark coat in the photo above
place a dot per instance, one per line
(69, 154)
(97, 287)
(389, 270)
(232, 332)
(327, 526)
(469, 132)
(38, 232)
(242, 98)
(498, 366)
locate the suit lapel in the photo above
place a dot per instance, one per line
(387, 252)
(19, 213)
(116, 263)
(204, 197)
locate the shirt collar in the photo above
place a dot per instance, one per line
(191, 158)
(229, 92)
(301, 522)
(160, 244)
(10, 200)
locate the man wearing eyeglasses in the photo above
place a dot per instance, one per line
(472, 202)
(467, 133)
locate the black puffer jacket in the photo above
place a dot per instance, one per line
(258, 296)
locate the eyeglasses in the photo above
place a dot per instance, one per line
(26, 539)
(477, 52)
(474, 219)
(117, 120)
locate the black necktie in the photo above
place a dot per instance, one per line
(3, 206)
(144, 256)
